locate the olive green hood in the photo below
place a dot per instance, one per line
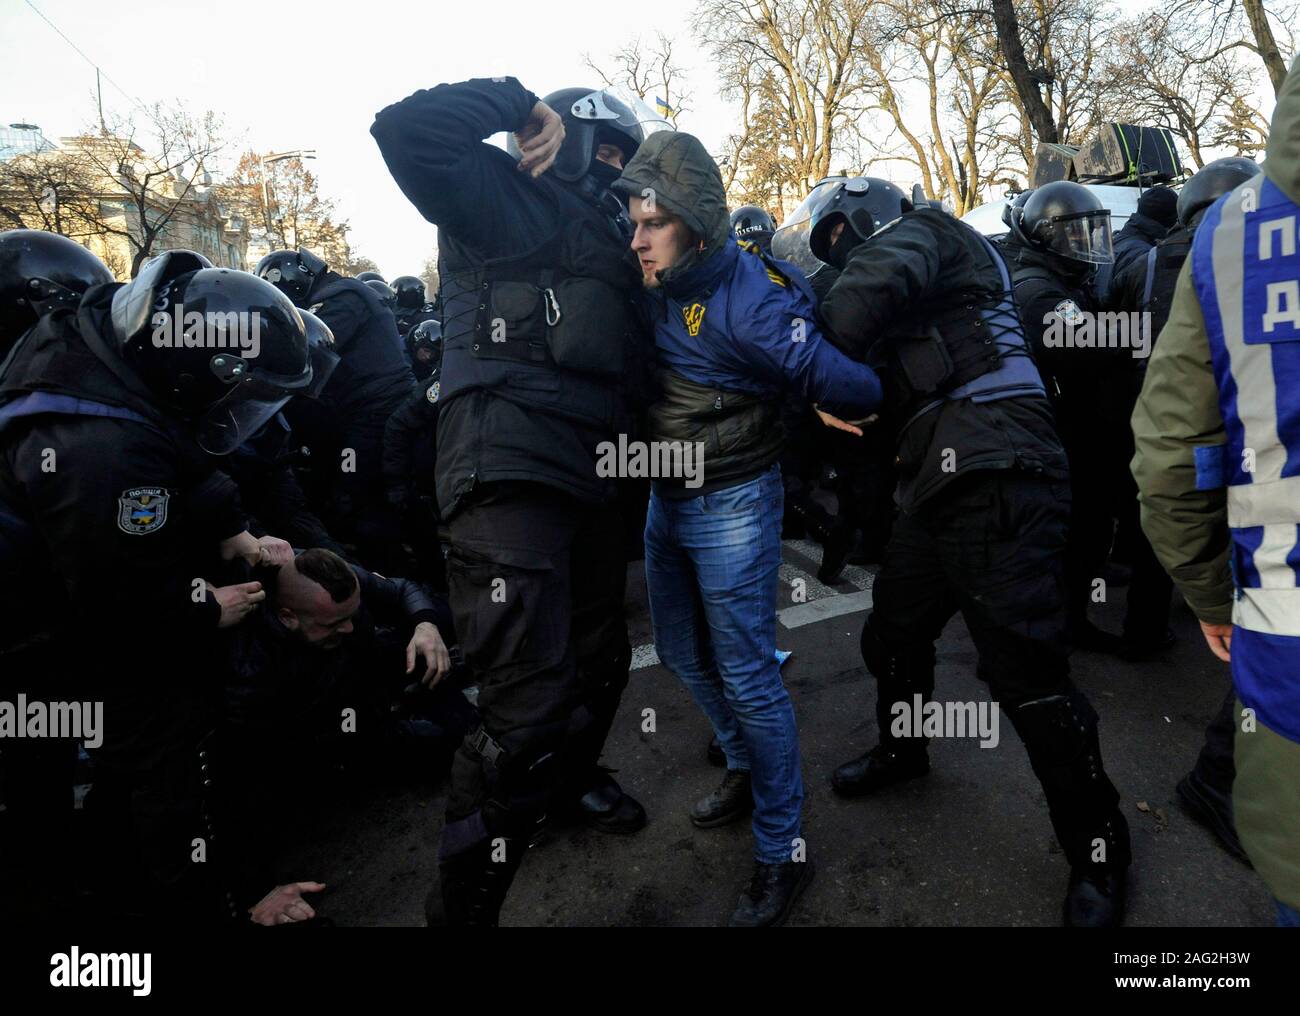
(683, 178)
(1282, 163)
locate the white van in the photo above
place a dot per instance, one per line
(1122, 202)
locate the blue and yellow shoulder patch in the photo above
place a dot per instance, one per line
(751, 247)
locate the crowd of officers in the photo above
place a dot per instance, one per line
(228, 545)
(279, 567)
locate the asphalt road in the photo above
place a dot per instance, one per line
(969, 845)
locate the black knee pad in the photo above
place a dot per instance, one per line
(874, 653)
(1060, 736)
(910, 666)
(1057, 729)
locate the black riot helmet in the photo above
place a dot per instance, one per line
(371, 277)
(426, 335)
(1067, 219)
(221, 348)
(40, 272)
(384, 292)
(1209, 183)
(1013, 211)
(749, 222)
(592, 117)
(410, 292)
(292, 272)
(863, 203)
(322, 352)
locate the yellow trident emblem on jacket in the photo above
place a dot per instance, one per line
(694, 315)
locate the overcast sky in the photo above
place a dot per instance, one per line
(290, 76)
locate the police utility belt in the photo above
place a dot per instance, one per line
(576, 323)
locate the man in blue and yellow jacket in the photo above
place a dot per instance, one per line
(734, 331)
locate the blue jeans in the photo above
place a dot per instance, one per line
(711, 569)
(1287, 917)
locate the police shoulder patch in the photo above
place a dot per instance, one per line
(1069, 312)
(142, 510)
(432, 393)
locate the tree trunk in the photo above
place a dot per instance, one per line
(1013, 51)
(1266, 44)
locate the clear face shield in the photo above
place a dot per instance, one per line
(1084, 237)
(235, 419)
(619, 108)
(792, 241)
(254, 400)
(320, 350)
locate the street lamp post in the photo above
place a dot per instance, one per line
(263, 161)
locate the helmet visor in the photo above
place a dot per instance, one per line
(1084, 237)
(258, 396)
(322, 356)
(792, 242)
(236, 418)
(323, 362)
(620, 109)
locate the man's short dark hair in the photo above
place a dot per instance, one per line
(329, 571)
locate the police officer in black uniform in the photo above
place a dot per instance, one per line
(1145, 285)
(1148, 286)
(385, 293)
(1054, 248)
(410, 466)
(115, 527)
(1151, 220)
(983, 512)
(371, 381)
(752, 224)
(411, 306)
(370, 277)
(424, 348)
(541, 355)
(40, 272)
(264, 466)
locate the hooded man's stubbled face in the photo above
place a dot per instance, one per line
(660, 240)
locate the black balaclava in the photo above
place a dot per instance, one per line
(603, 173)
(843, 246)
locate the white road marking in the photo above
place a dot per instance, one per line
(855, 575)
(823, 609)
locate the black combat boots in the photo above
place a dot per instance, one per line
(1060, 735)
(473, 884)
(881, 767)
(606, 807)
(900, 675)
